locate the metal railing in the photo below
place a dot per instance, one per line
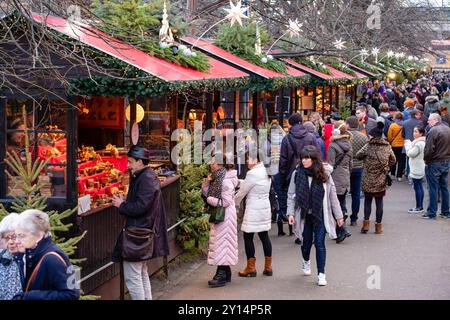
(112, 263)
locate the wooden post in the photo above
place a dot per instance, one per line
(280, 107)
(3, 128)
(314, 99)
(324, 92)
(296, 100)
(236, 108)
(255, 110)
(72, 146)
(209, 104)
(132, 117)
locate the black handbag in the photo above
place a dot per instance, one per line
(388, 177)
(273, 198)
(388, 180)
(137, 244)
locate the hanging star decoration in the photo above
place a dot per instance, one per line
(236, 13)
(339, 44)
(390, 54)
(294, 28)
(364, 52)
(375, 51)
(165, 34)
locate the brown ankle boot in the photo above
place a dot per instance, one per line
(250, 270)
(267, 266)
(378, 228)
(365, 227)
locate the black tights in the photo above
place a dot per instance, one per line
(250, 246)
(368, 207)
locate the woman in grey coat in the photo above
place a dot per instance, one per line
(313, 201)
(340, 157)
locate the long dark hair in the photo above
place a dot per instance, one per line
(314, 154)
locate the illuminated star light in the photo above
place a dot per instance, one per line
(364, 52)
(236, 13)
(390, 54)
(339, 44)
(375, 51)
(294, 28)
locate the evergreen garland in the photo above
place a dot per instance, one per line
(340, 66)
(241, 41)
(365, 66)
(137, 22)
(312, 65)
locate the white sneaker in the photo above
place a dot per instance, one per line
(321, 280)
(306, 268)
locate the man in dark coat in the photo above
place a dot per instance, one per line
(291, 146)
(437, 160)
(143, 208)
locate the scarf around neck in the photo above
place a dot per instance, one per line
(215, 186)
(309, 198)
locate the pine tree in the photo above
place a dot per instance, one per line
(32, 199)
(29, 172)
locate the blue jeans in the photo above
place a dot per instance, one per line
(282, 196)
(355, 189)
(318, 232)
(418, 189)
(407, 166)
(437, 178)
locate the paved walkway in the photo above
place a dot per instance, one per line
(412, 257)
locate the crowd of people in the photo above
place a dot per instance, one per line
(394, 132)
(303, 179)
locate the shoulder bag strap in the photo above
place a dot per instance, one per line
(376, 154)
(36, 270)
(397, 135)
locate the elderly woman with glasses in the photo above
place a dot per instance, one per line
(47, 274)
(9, 270)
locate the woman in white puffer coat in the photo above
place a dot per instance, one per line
(257, 216)
(415, 151)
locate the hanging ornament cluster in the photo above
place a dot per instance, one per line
(186, 51)
(267, 58)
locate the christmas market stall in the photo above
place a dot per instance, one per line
(330, 90)
(84, 132)
(269, 96)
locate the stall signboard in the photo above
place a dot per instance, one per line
(102, 112)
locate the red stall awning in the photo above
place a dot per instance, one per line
(309, 70)
(209, 47)
(156, 67)
(364, 71)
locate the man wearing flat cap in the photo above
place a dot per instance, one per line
(143, 208)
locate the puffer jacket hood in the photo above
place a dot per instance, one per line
(343, 141)
(432, 98)
(298, 131)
